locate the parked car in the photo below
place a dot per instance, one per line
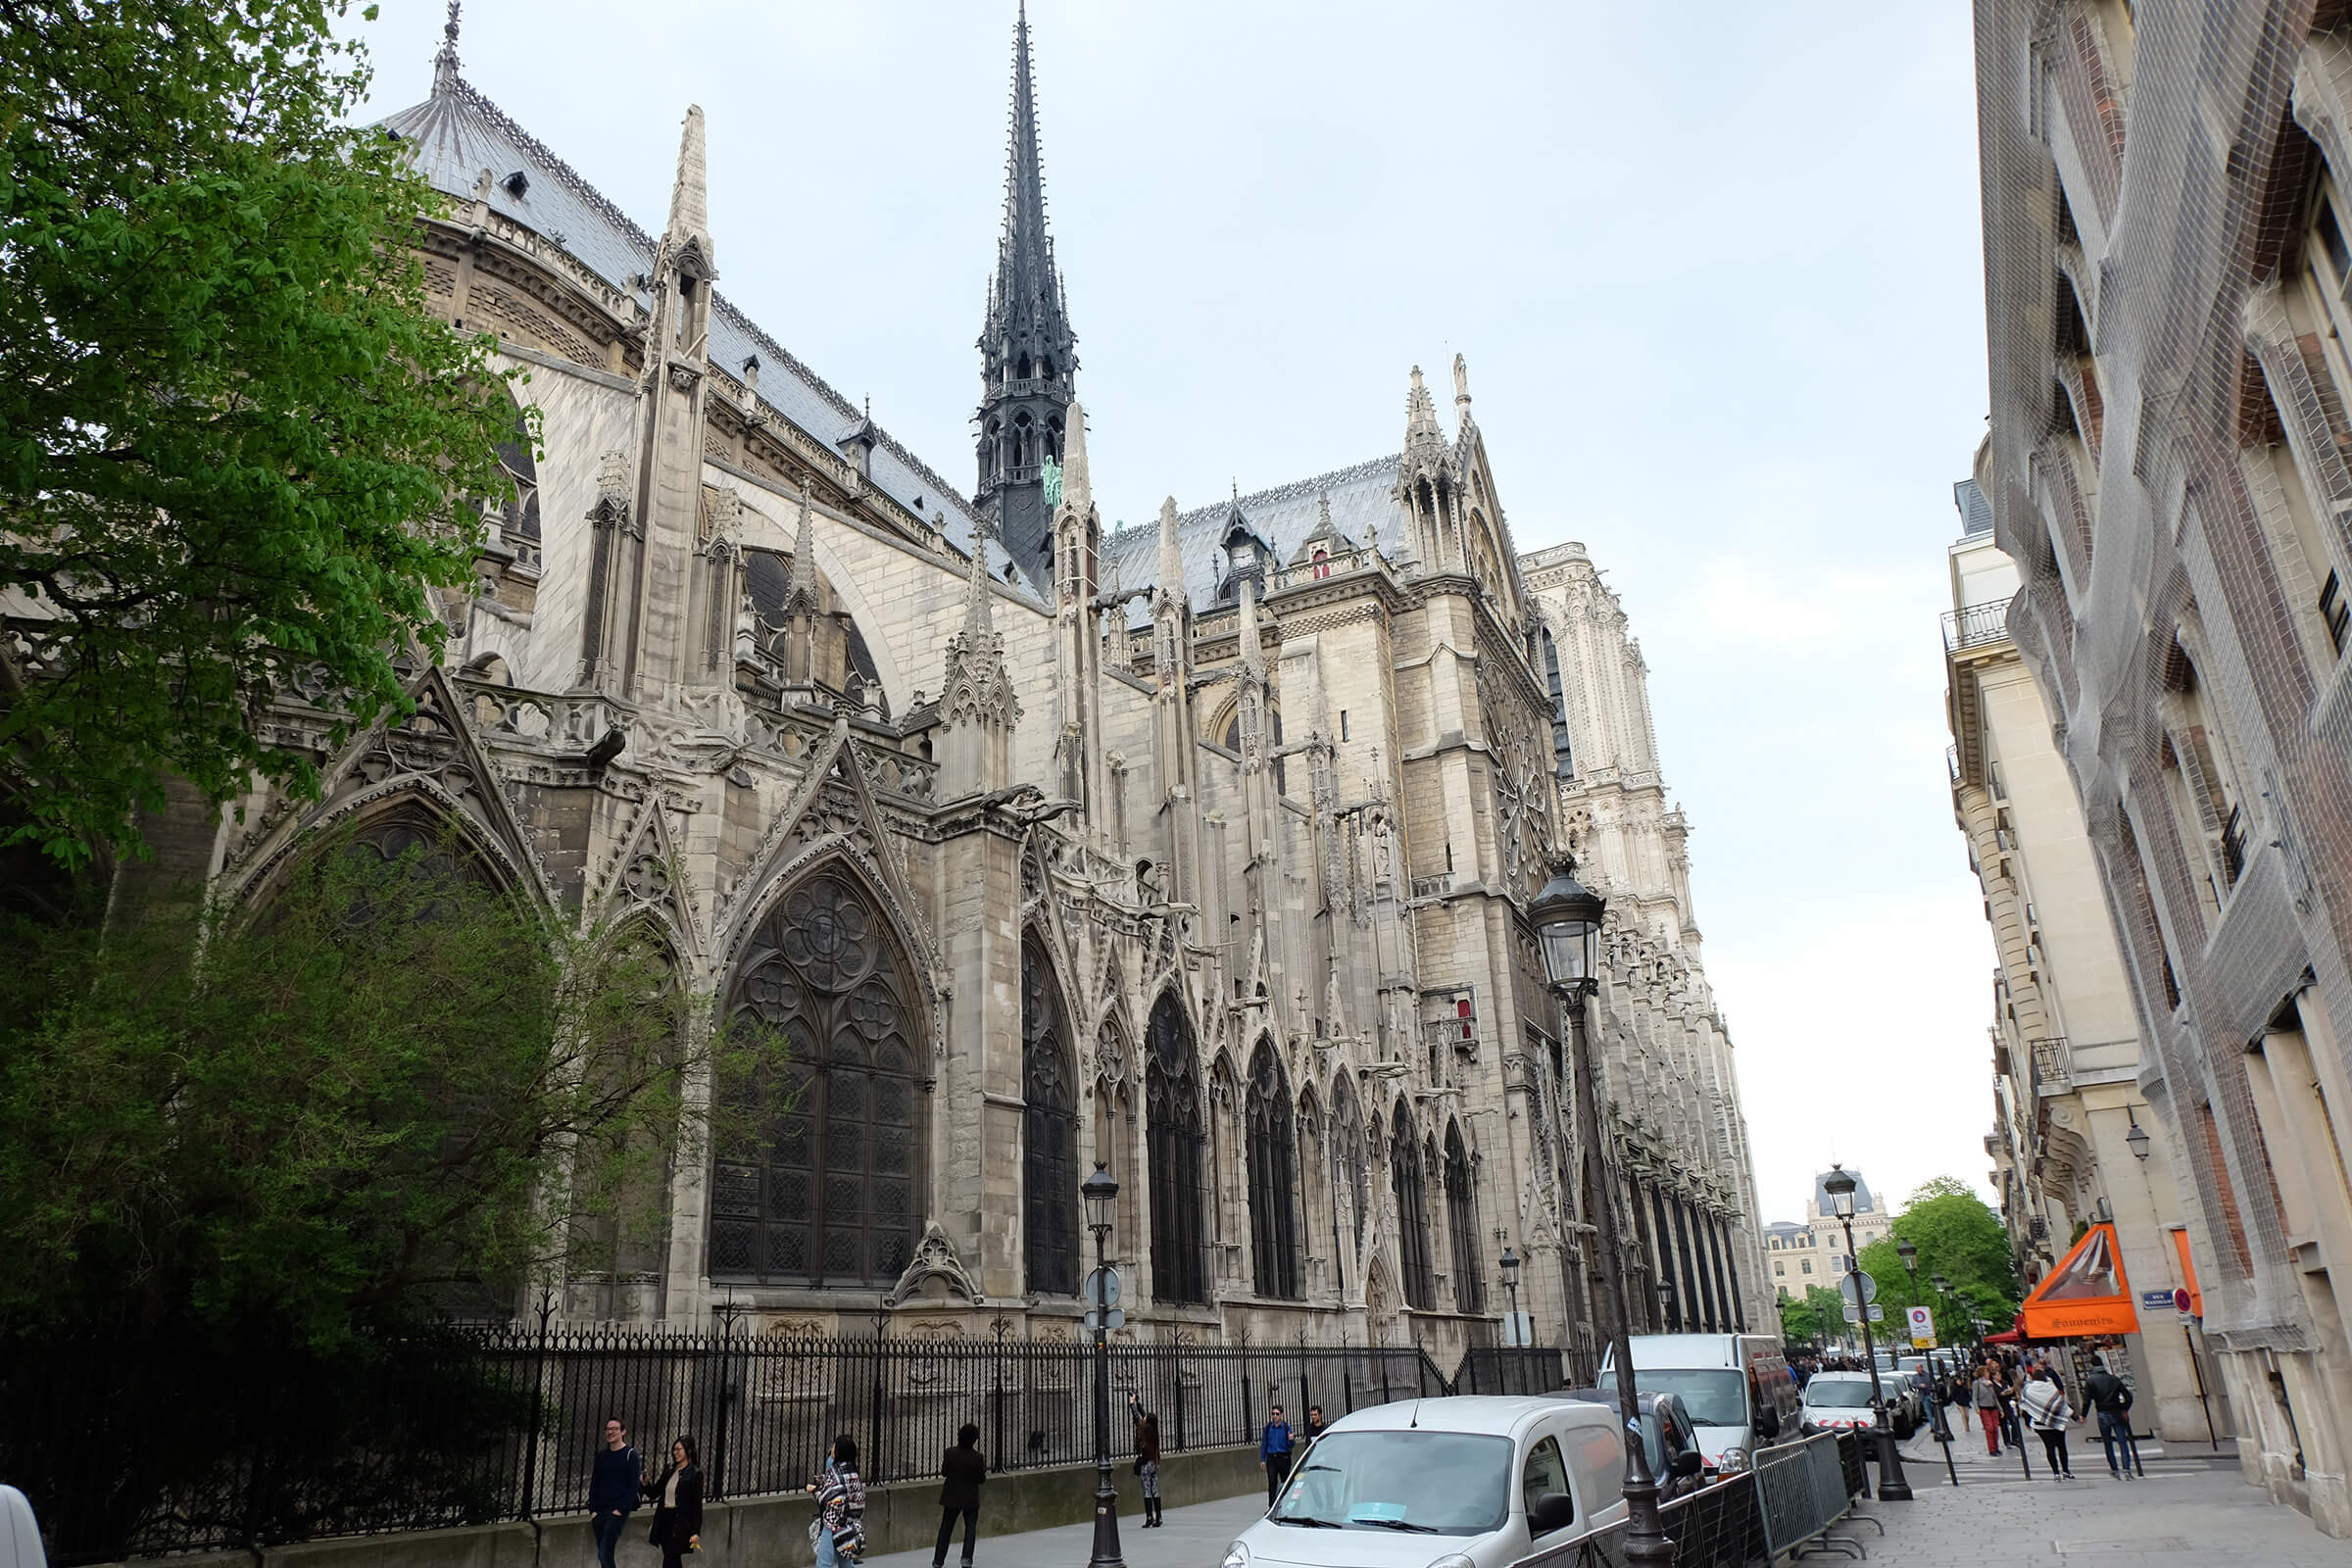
(1736, 1388)
(19, 1535)
(1478, 1481)
(1836, 1401)
(1669, 1440)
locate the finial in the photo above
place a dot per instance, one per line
(978, 619)
(1461, 383)
(445, 64)
(689, 197)
(803, 589)
(1323, 512)
(869, 408)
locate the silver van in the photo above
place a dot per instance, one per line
(1736, 1388)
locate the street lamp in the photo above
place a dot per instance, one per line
(1892, 1486)
(1100, 1193)
(2136, 1140)
(1666, 1305)
(1510, 1283)
(1567, 919)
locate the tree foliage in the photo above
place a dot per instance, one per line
(1959, 1236)
(1816, 1319)
(233, 441)
(396, 1089)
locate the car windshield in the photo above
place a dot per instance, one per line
(1838, 1396)
(1427, 1483)
(1715, 1397)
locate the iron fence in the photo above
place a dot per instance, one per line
(142, 1449)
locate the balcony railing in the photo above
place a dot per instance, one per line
(2053, 1066)
(2233, 846)
(1976, 624)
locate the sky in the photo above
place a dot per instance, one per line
(1719, 292)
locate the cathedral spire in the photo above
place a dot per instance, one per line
(689, 230)
(1028, 354)
(1421, 416)
(445, 63)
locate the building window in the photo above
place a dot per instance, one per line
(1050, 1133)
(1808, 1263)
(826, 1195)
(1172, 1119)
(1273, 1236)
(1461, 1226)
(1412, 1212)
(1563, 763)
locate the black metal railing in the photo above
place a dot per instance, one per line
(1972, 624)
(143, 1449)
(2233, 846)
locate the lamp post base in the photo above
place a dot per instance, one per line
(1892, 1488)
(1646, 1544)
(1107, 1523)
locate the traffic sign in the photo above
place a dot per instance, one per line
(1858, 1288)
(1853, 1313)
(1878, 1314)
(1101, 1288)
(1923, 1329)
(1114, 1319)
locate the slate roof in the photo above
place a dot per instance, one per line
(457, 132)
(1361, 501)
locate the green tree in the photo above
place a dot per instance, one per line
(1816, 1318)
(1958, 1236)
(396, 1090)
(236, 444)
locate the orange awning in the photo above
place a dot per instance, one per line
(2085, 1294)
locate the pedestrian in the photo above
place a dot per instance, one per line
(838, 1531)
(2111, 1397)
(678, 1505)
(962, 1469)
(1315, 1423)
(1147, 1460)
(1274, 1454)
(2042, 1402)
(1986, 1398)
(615, 1489)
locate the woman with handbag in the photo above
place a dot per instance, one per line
(839, 1529)
(678, 1505)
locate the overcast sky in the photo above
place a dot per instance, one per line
(1717, 277)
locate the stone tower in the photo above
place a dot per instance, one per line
(1028, 354)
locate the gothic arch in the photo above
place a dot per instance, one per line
(1049, 1248)
(1273, 1165)
(1412, 1210)
(831, 1192)
(1174, 1133)
(1462, 1224)
(1351, 1195)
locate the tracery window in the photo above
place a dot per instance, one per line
(1273, 1232)
(826, 1195)
(1349, 1192)
(1461, 1226)
(1049, 1132)
(1173, 1130)
(1412, 1213)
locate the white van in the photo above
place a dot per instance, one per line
(1477, 1481)
(1736, 1388)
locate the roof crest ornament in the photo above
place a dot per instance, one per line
(445, 63)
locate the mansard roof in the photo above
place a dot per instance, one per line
(1363, 499)
(457, 132)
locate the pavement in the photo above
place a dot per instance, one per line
(2194, 1510)
(1193, 1538)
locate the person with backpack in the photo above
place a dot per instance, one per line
(2111, 1397)
(839, 1529)
(615, 1489)
(2041, 1405)
(962, 1469)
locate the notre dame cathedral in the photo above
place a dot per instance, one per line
(1201, 850)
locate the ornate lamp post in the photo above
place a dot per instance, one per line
(1509, 1265)
(1100, 1193)
(1892, 1488)
(1567, 919)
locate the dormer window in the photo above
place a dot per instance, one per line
(518, 185)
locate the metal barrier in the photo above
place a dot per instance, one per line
(1800, 1491)
(1716, 1527)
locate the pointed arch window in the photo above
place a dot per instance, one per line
(1461, 1226)
(1173, 1131)
(1349, 1193)
(1049, 1132)
(1563, 759)
(1412, 1213)
(1273, 1177)
(825, 1194)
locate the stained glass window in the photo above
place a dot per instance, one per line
(1273, 1162)
(1173, 1130)
(1050, 1133)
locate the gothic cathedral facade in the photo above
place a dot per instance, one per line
(1200, 849)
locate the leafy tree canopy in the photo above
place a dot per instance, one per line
(233, 441)
(396, 1090)
(1959, 1236)
(1817, 1318)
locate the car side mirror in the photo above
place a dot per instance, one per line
(1554, 1510)
(1689, 1462)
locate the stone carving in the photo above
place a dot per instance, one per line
(935, 1259)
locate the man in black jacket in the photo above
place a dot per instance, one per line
(962, 1469)
(613, 1490)
(2111, 1397)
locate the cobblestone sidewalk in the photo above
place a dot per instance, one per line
(2193, 1511)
